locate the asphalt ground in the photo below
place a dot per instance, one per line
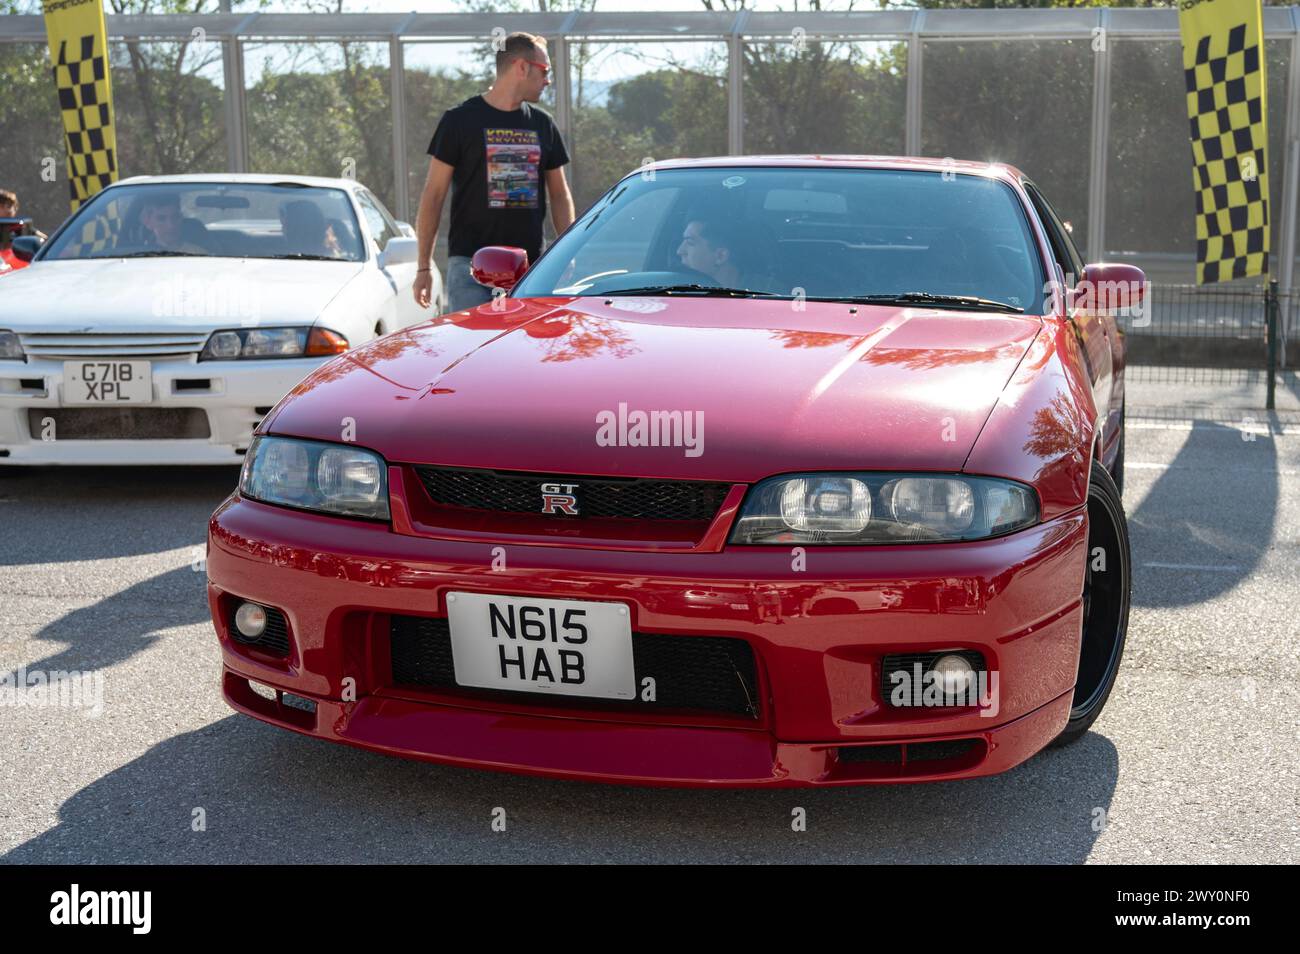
(1194, 759)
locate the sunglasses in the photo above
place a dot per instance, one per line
(544, 67)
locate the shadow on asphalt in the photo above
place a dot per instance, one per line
(270, 795)
(1215, 506)
(119, 626)
(164, 508)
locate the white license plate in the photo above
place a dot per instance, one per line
(107, 382)
(565, 647)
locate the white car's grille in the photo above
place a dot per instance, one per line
(130, 345)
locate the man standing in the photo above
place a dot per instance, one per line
(499, 157)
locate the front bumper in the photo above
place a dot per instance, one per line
(231, 396)
(818, 634)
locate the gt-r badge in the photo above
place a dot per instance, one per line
(560, 498)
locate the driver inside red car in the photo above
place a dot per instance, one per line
(718, 251)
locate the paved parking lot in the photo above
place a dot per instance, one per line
(1194, 759)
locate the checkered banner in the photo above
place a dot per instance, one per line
(79, 50)
(1223, 63)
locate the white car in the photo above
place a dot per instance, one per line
(166, 317)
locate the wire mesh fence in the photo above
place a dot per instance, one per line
(1193, 335)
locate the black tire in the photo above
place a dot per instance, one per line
(1106, 596)
(12, 470)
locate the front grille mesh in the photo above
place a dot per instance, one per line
(122, 345)
(119, 423)
(627, 498)
(705, 673)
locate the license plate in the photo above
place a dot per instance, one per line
(565, 647)
(107, 382)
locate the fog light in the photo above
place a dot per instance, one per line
(954, 674)
(250, 620)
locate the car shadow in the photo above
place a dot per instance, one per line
(270, 795)
(1207, 522)
(168, 506)
(128, 622)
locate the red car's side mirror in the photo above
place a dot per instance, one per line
(1111, 288)
(499, 266)
(25, 247)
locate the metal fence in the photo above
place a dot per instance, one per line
(1187, 334)
(1090, 102)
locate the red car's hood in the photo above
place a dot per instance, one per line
(777, 386)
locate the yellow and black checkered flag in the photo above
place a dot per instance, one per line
(1223, 63)
(98, 234)
(79, 49)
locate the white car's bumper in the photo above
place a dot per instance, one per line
(200, 413)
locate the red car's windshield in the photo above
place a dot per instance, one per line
(800, 232)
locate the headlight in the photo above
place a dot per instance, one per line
(11, 348)
(310, 475)
(863, 508)
(305, 342)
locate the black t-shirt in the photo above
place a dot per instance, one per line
(497, 188)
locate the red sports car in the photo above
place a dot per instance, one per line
(771, 471)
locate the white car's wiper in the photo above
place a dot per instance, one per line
(306, 256)
(704, 291)
(156, 253)
(926, 298)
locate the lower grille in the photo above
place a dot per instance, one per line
(910, 752)
(274, 639)
(597, 497)
(118, 423)
(705, 673)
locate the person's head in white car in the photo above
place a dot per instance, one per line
(161, 216)
(305, 230)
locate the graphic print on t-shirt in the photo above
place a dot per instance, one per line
(513, 158)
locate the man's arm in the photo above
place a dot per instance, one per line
(432, 197)
(557, 193)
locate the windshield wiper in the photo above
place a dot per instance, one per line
(926, 298)
(305, 255)
(156, 253)
(704, 291)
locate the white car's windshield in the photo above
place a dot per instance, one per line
(800, 232)
(224, 220)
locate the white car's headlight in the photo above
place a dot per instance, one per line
(865, 508)
(312, 475)
(11, 347)
(299, 342)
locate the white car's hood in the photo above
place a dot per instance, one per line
(113, 295)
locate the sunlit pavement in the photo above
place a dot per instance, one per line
(1195, 758)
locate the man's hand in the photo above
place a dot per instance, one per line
(436, 186)
(423, 288)
(561, 199)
